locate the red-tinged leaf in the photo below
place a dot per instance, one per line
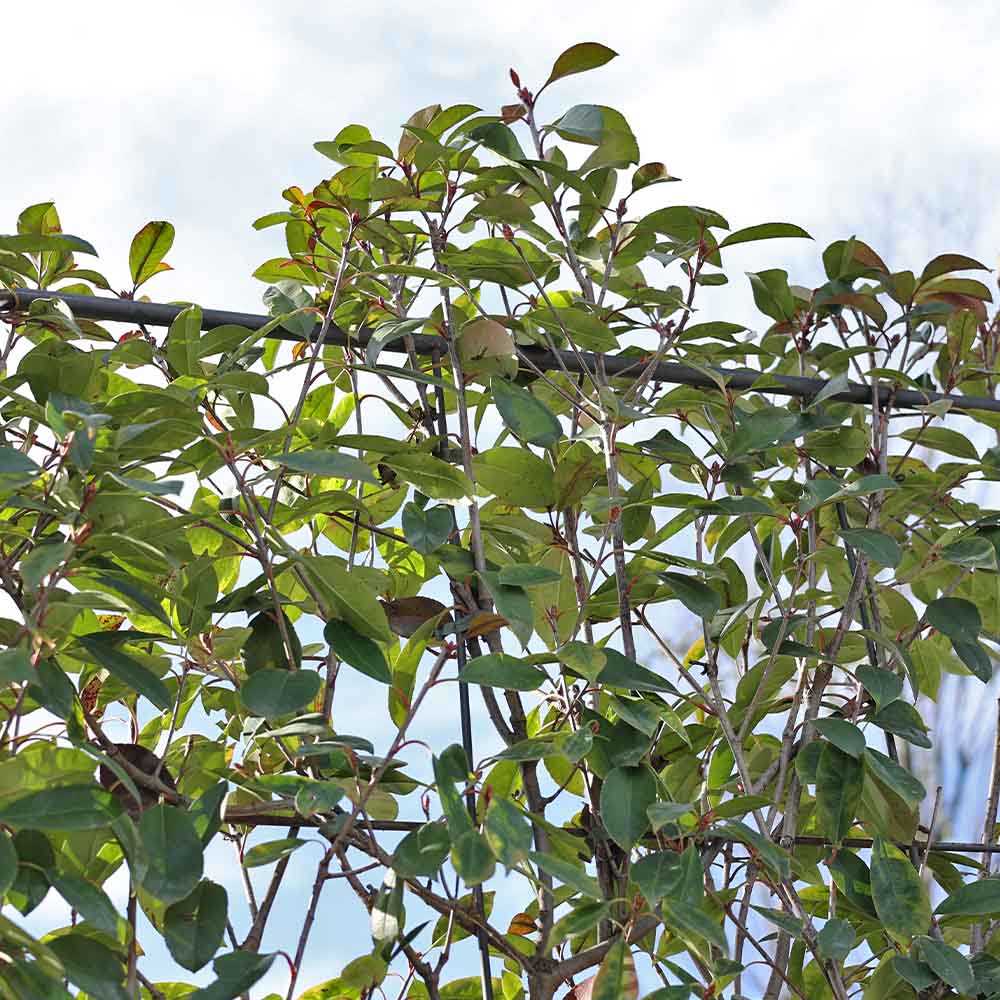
(580, 58)
(149, 246)
(946, 263)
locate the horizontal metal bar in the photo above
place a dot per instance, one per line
(112, 310)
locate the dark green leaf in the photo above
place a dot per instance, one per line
(974, 899)
(765, 231)
(508, 832)
(357, 650)
(521, 575)
(193, 927)
(526, 415)
(695, 595)
(657, 875)
(89, 900)
(838, 791)
(271, 851)
(174, 852)
(426, 530)
(904, 720)
(842, 734)
(236, 972)
(503, 671)
(688, 919)
(270, 693)
(877, 545)
(955, 617)
(626, 794)
(129, 671)
(949, 964)
(883, 685)
(331, 464)
(836, 940)
(67, 807)
(571, 874)
(45, 242)
(422, 851)
(472, 857)
(899, 895)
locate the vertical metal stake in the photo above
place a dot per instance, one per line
(465, 713)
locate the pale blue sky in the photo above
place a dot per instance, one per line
(874, 119)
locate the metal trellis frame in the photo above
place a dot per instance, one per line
(14, 302)
(115, 310)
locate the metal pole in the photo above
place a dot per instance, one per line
(103, 309)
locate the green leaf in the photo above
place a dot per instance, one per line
(896, 777)
(621, 672)
(942, 439)
(193, 928)
(658, 874)
(472, 857)
(183, 344)
(387, 333)
(899, 895)
(765, 231)
(687, 919)
(426, 530)
(570, 874)
(616, 978)
(88, 899)
(839, 779)
(149, 246)
(515, 476)
(430, 475)
(883, 685)
(948, 964)
(271, 851)
(513, 603)
(773, 856)
(422, 851)
(45, 242)
(662, 813)
(508, 832)
(357, 650)
(503, 671)
(696, 596)
(68, 807)
(525, 414)
(499, 138)
(8, 862)
(975, 657)
(578, 59)
(524, 575)
(174, 852)
(626, 794)
(904, 720)
(877, 545)
(270, 693)
(327, 463)
(265, 646)
(836, 940)
(129, 671)
(651, 173)
(974, 899)
(236, 972)
(16, 469)
(842, 734)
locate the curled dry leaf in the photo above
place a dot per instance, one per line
(407, 614)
